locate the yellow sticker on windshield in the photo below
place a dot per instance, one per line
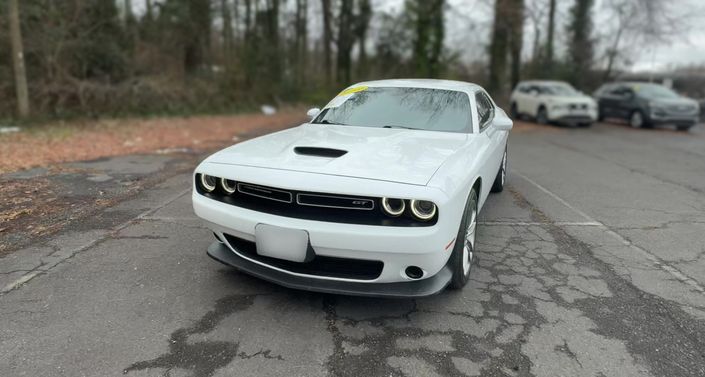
(352, 90)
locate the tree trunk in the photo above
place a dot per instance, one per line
(516, 39)
(580, 47)
(227, 32)
(345, 42)
(363, 24)
(18, 61)
(327, 40)
(498, 47)
(429, 34)
(550, 37)
(300, 41)
(198, 30)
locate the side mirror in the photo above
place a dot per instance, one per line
(502, 122)
(312, 113)
(534, 93)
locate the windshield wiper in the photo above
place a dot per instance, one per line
(326, 121)
(394, 126)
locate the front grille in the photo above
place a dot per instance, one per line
(265, 192)
(317, 206)
(575, 106)
(335, 201)
(681, 109)
(345, 268)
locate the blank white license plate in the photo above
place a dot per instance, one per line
(281, 243)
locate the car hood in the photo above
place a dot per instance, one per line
(396, 155)
(673, 101)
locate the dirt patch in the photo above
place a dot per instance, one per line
(88, 140)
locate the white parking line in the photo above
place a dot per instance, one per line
(643, 252)
(537, 223)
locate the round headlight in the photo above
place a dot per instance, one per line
(208, 182)
(227, 185)
(393, 207)
(423, 209)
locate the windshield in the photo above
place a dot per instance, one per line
(413, 108)
(655, 91)
(561, 90)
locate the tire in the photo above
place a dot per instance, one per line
(462, 257)
(501, 178)
(585, 125)
(600, 115)
(514, 111)
(685, 127)
(542, 116)
(637, 120)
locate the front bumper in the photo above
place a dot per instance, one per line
(688, 120)
(418, 288)
(563, 115)
(397, 248)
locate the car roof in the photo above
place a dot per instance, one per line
(424, 83)
(542, 82)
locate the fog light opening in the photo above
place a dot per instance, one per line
(414, 272)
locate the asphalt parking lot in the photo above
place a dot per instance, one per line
(590, 263)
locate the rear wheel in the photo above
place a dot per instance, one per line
(501, 177)
(462, 257)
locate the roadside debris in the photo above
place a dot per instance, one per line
(7, 130)
(268, 110)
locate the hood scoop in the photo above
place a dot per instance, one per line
(319, 152)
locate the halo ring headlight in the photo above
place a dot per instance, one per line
(228, 186)
(393, 207)
(208, 182)
(423, 209)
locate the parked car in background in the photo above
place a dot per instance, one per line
(553, 101)
(378, 195)
(646, 105)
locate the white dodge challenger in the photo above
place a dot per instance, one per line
(378, 195)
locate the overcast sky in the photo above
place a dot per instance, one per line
(469, 23)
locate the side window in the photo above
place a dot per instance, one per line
(485, 109)
(618, 91)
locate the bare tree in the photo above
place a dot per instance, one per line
(516, 39)
(638, 22)
(364, 16)
(580, 45)
(345, 42)
(550, 36)
(18, 61)
(499, 46)
(327, 40)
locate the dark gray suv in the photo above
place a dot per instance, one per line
(646, 105)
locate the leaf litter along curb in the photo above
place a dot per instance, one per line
(65, 142)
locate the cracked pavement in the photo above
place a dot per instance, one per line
(591, 263)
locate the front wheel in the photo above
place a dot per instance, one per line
(501, 177)
(637, 120)
(542, 116)
(462, 257)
